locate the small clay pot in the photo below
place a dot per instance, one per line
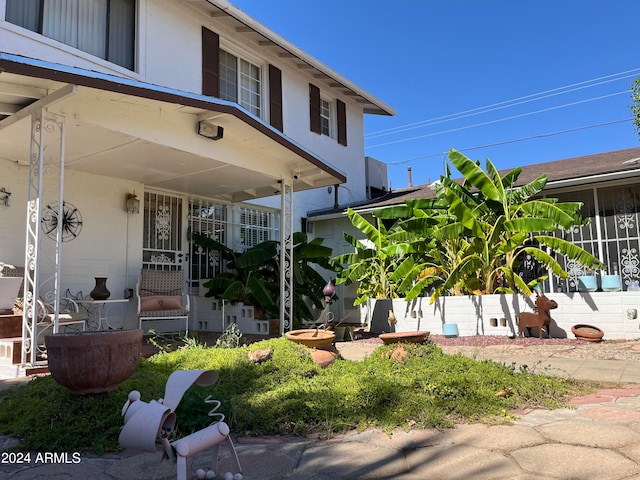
(404, 337)
(587, 332)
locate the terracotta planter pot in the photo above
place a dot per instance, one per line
(312, 337)
(404, 337)
(93, 362)
(587, 332)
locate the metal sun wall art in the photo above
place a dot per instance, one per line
(70, 223)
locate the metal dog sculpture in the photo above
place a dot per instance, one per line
(540, 318)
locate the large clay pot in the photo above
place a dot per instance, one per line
(311, 337)
(93, 362)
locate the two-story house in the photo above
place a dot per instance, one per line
(125, 124)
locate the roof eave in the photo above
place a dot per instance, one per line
(372, 105)
(71, 75)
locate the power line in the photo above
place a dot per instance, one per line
(507, 103)
(497, 120)
(505, 142)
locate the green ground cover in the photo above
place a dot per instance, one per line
(288, 395)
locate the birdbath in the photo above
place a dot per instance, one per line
(317, 337)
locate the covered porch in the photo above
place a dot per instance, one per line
(78, 149)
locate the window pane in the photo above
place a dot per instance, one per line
(250, 87)
(228, 77)
(92, 27)
(122, 16)
(325, 117)
(25, 13)
(82, 24)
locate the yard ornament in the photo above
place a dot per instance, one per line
(144, 422)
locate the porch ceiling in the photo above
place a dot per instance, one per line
(150, 136)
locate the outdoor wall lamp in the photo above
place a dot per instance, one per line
(4, 196)
(209, 130)
(133, 204)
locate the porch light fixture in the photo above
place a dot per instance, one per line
(133, 204)
(209, 130)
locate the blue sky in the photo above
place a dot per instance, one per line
(440, 62)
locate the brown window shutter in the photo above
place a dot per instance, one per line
(341, 111)
(210, 63)
(314, 109)
(275, 97)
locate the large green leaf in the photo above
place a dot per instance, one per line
(552, 211)
(463, 213)
(547, 260)
(525, 192)
(374, 234)
(474, 175)
(570, 250)
(258, 255)
(529, 225)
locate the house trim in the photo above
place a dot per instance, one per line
(269, 38)
(34, 68)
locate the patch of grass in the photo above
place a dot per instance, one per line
(288, 394)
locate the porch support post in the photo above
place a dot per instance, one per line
(286, 256)
(46, 178)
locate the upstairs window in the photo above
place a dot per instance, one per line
(104, 28)
(240, 82)
(327, 117)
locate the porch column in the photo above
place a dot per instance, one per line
(286, 256)
(46, 184)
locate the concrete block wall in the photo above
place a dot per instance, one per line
(616, 313)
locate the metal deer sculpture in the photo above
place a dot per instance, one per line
(540, 318)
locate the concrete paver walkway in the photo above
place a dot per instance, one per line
(597, 439)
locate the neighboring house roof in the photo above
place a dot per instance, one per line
(243, 24)
(584, 170)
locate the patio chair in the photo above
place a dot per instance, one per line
(161, 296)
(69, 315)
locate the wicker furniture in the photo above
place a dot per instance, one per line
(161, 296)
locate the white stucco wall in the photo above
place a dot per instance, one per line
(169, 55)
(109, 244)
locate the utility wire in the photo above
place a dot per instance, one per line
(507, 103)
(496, 121)
(505, 142)
(487, 110)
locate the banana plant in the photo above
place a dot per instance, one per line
(482, 227)
(374, 259)
(253, 276)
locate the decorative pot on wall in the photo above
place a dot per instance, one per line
(100, 291)
(587, 283)
(611, 283)
(450, 330)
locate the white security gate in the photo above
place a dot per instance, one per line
(164, 237)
